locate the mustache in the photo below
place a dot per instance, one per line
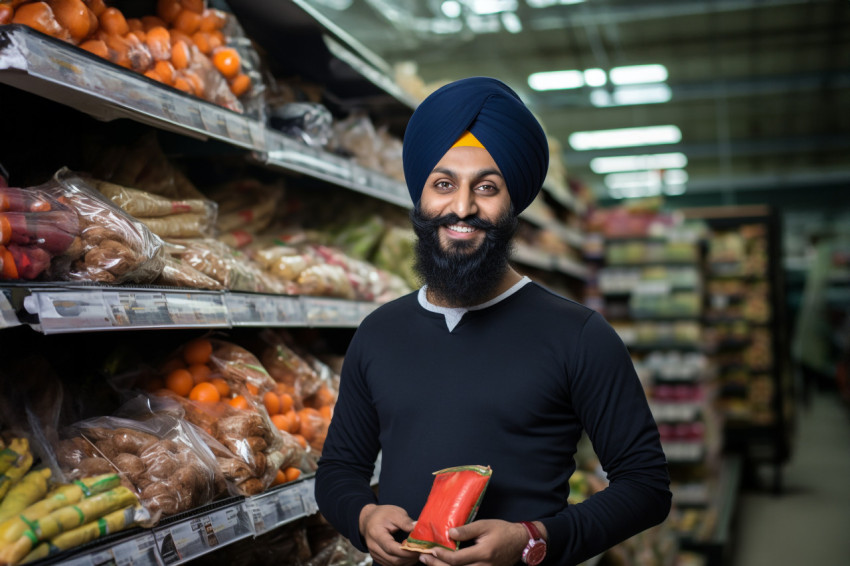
(424, 222)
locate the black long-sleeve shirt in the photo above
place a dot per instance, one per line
(511, 386)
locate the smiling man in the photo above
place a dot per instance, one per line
(483, 366)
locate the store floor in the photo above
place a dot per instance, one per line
(810, 522)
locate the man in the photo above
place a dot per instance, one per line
(484, 367)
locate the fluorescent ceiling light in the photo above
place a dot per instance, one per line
(625, 137)
(451, 8)
(595, 77)
(631, 95)
(483, 24)
(556, 80)
(488, 7)
(646, 183)
(638, 74)
(602, 165)
(547, 3)
(511, 22)
(675, 177)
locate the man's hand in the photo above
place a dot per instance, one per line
(377, 525)
(497, 543)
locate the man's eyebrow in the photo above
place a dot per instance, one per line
(478, 174)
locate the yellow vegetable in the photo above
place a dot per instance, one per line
(12, 529)
(108, 524)
(66, 518)
(11, 454)
(30, 489)
(17, 470)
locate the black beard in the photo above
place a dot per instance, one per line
(464, 275)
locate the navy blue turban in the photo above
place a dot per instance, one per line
(496, 116)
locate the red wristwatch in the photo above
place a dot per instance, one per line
(535, 550)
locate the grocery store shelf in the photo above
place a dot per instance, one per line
(533, 257)
(55, 70)
(58, 309)
(193, 534)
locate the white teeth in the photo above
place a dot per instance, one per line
(458, 228)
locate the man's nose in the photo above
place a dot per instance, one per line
(463, 204)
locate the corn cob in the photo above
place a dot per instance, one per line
(30, 489)
(12, 529)
(64, 519)
(17, 469)
(108, 524)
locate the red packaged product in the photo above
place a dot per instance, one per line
(453, 501)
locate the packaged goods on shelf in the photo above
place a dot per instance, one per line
(371, 147)
(159, 457)
(85, 238)
(184, 45)
(220, 387)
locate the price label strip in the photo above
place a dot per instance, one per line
(70, 311)
(331, 312)
(267, 310)
(140, 551)
(271, 510)
(8, 318)
(138, 309)
(197, 309)
(190, 539)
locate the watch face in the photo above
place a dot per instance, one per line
(535, 554)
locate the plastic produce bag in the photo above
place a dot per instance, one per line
(220, 387)
(159, 457)
(109, 246)
(308, 122)
(453, 501)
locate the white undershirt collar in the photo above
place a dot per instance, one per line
(454, 314)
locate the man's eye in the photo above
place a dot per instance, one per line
(487, 189)
(445, 185)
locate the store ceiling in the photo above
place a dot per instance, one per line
(760, 89)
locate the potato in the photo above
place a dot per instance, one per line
(132, 441)
(94, 466)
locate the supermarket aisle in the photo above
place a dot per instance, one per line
(810, 522)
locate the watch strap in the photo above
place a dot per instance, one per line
(532, 530)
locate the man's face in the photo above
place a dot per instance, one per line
(464, 223)
(466, 182)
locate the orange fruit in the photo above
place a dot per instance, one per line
(212, 20)
(40, 17)
(221, 385)
(286, 402)
(73, 15)
(311, 422)
(180, 381)
(281, 422)
(196, 81)
(113, 22)
(279, 478)
(226, 60)
(197, 351)
(200, 372)
(180, 54)
(149, 22)
(205, 392)
(158, 41)
(252, 389)
(97, 47)
(135, 24)
(326, 412)
(187, 21)
(182, 84)
(196, 6)
(301, 440)
(295, 421)
(271, 402)
(292, 473)
(6, 14)
(96, 6)
(152, 74)
(238, 402)
(166, 71)
(171, 365)
(240, 84)
(168, 9)
(202, 42)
